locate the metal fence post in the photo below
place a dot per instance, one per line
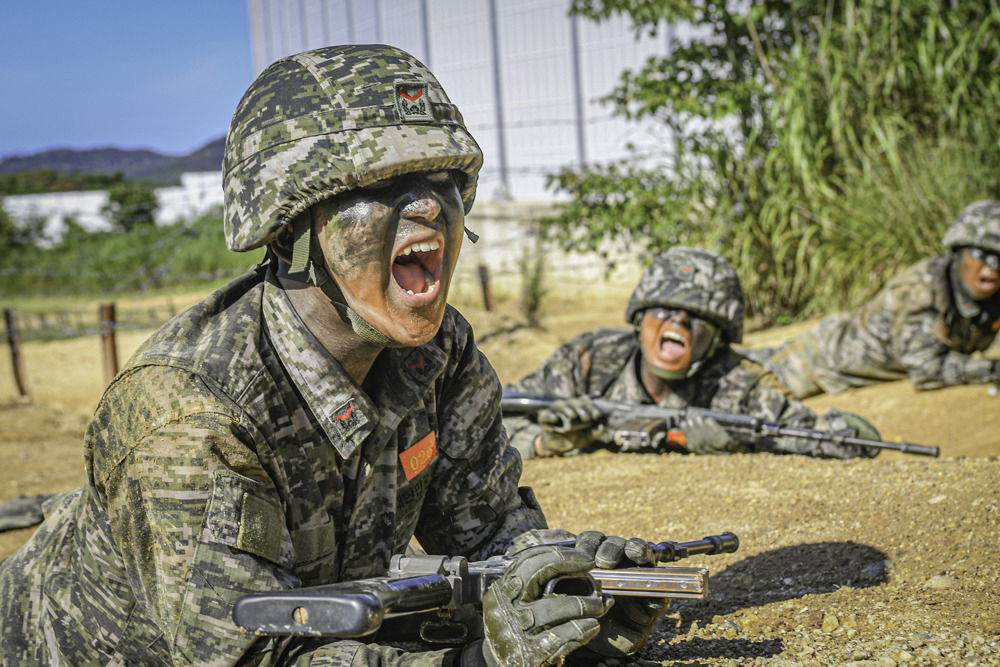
(484, 281)
(16, 360)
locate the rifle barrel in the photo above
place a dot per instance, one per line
(524, 403)
(725, 543)
(668, 552)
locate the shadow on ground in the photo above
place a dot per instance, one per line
(773, 576)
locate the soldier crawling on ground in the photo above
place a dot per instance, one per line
(684, 314)
(926, 324)
(302, 424)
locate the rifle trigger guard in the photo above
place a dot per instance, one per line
(444, 631)
(576, 584)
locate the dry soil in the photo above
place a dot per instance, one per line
(880, 562)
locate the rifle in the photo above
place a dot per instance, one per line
(621, 418)
(452, 590)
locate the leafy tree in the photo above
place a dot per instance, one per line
(131, 204)
(17, 237)
(820, 145)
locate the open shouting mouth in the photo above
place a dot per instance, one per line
(416, 270)
(673, 345)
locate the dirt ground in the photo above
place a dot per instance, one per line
(881, 562)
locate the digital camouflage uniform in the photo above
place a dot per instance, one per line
(922, 325)
(233, 455)
(604, 363)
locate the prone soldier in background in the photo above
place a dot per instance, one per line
(926, 324)
(685, 313)
(299, 426)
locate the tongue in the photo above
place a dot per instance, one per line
(671, 350)
(410, 277)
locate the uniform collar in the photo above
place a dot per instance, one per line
(344, 411)
(633, 390)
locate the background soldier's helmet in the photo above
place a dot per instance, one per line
(319, 123)
(978, 225)
(699, 281)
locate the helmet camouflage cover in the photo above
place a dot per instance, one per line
(696, 280)
(977, 225)
(322, 122)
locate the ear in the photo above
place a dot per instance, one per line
(282, 245)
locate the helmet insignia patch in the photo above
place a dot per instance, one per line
(412, 101)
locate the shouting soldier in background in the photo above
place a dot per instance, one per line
(926, 324)
(685, 313)
(299, 426)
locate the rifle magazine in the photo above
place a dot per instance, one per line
(664, 581)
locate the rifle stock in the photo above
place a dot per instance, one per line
(745, 425)
(453, 588)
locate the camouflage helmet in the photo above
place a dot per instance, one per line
(699, 281)
(978, 225)
(319, 123)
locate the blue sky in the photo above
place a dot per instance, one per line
(159, 74)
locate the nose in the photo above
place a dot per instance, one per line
(677, 317)
(420, 202)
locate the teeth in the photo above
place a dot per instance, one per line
(420, 247)
(429, 281)
(674, 337)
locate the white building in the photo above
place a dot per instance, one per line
(526, 77)
(198, 193)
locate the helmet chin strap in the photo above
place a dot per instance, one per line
(309, 266)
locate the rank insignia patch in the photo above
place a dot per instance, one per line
(348, 419)
(413, 101)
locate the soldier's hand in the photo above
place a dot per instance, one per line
(624, 629)
(570, 414)
(848, 423)
(524, 627)
(702, 435)
(568, 424)
(550, 443)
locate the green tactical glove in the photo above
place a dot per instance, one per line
(848, 424)
(702, 435)
(568, 424)
(523, 626)
(624, 629)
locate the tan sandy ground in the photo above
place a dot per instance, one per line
(889, 561)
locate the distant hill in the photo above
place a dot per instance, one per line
(135, 164)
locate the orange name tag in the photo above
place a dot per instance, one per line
(419, 456)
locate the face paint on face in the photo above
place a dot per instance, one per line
(672, 339)
(979, 273)
(392, 249)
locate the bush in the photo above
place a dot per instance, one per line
(821, 146)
